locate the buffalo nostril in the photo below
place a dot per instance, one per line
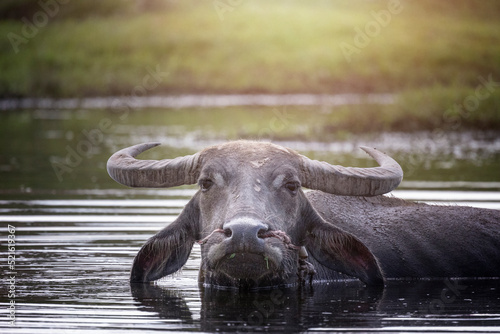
(262, 233)
(228, 233)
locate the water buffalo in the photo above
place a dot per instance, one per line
(257, 227)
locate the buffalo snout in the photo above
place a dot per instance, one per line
(247, 248)
(245, 235)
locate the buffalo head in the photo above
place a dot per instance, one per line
(250, 215)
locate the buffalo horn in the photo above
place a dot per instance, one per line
(352, 181)
(125, 169)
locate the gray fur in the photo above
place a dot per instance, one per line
(418, 240)
(251, 218)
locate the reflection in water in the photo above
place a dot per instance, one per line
(278, 309)
(438, 304)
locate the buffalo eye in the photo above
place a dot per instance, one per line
(206, 184)
(292, 186)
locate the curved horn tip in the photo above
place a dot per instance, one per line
(378, 155)
(135, 150)
(148, 145)
(369, 149)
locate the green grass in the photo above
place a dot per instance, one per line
(431, 53)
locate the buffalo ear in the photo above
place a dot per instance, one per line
(168, 250)
(343, 252)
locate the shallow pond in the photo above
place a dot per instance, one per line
(76, 231)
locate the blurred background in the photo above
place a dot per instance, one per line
(80, 79)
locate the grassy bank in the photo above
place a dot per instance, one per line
(431, 53)
(283, 46)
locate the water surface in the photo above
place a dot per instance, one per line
(76, 231)
(73, 258)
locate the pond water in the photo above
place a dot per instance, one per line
(76, 231)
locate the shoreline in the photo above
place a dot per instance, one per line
(194, 100)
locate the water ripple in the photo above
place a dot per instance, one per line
(72, 271)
